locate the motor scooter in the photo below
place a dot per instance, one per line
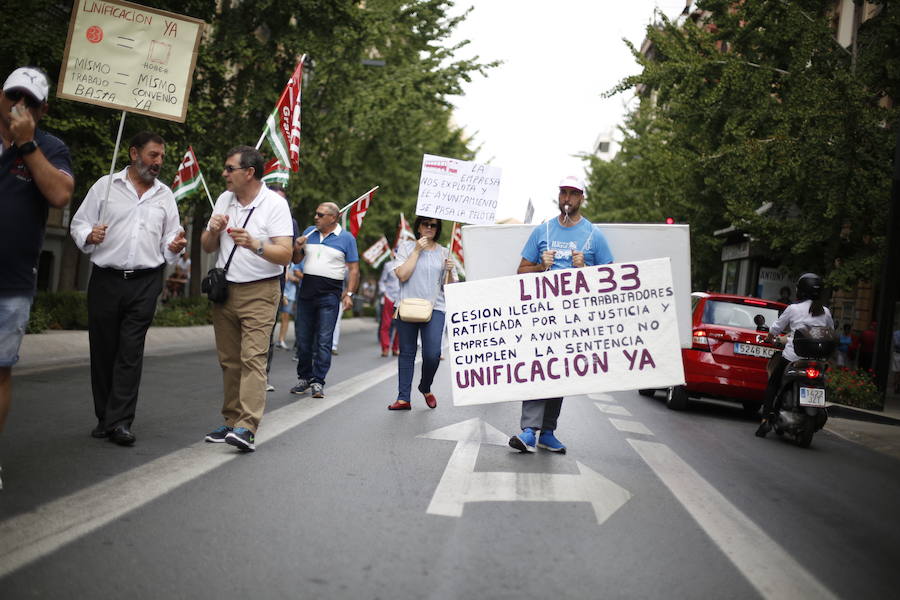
(800, 404)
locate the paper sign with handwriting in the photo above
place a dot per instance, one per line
(566, 332)
(130, 57)
(458, 190)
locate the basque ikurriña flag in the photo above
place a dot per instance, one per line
(283, 125)
(188, 178)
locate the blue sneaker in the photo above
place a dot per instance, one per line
(217, 436)
(301, 388)
(548, 441)
(523, 442)
(242, 438)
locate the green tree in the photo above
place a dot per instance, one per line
(362, 125)
(760, 120)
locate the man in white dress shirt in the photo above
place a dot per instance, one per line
(129, 237)
(255, 223)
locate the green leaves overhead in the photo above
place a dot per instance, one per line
(759, 104)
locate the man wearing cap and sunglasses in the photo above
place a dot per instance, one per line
(567, 241)
(35, 174)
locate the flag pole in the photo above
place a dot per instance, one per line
(208, 196)
(450, 250)
(112, 168)
(343, 210)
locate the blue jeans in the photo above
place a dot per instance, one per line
(14, 313)
(314, 328)
(431, 333)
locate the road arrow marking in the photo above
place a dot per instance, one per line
(461, 484)
(611, 409)
(630, 426)
(602, 398)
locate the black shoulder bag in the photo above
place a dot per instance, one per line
(214, 285)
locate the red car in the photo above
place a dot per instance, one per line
(728, 357)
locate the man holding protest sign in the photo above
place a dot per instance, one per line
(329, 252)
(129, 225)
(35, 173)
(567, 241)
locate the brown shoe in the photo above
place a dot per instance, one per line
(430, 400)
(384, 353)
(400, 406)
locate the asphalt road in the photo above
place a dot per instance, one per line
(344, 499)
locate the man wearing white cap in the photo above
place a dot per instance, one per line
(35, 173)
(567, 241)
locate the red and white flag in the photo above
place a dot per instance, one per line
(404, 232)
(283, 125)
(358, 211)
(456, 249)
(378, 252)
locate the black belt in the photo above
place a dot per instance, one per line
(129, 273)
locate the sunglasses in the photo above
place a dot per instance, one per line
(430, 225)
(232, 168)
(320, 215)
(16, 95)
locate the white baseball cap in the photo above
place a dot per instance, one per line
(28, 79)
(572, 181)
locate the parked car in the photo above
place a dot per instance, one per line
(728, 356)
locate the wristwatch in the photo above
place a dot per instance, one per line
(349, 294)
(261, 250)
(27, 148)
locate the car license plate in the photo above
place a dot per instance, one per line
(753, 350)
(812, 396)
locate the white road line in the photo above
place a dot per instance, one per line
(612, 409)
(766, 565)
(35, 534)
(630, 426)
(602, 398)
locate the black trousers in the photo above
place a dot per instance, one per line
(119, 313)
(774, 385)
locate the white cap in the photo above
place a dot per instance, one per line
(572, 181)
(28, 79)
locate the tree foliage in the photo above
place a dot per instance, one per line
(362, 125)
(760, 120)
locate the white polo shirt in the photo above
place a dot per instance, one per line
(271, 218)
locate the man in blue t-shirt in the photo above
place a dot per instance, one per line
(328, 253)
(567, 241)
(35, 174)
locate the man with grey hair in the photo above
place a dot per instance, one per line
(330, 253)
(250, 227)
(35, 174)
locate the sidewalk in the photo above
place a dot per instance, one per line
(55, 349)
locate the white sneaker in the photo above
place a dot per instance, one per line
(283, 345)
(270, 387)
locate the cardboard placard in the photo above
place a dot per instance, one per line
(458, 190)
(563, 332)
(130, 57)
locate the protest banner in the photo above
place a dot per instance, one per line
(563, 332)
(496, 250)
(458, 190)
(130, 57)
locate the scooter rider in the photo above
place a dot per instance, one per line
(807, 312)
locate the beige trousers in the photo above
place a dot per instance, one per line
(242, 325)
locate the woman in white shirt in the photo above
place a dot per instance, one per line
(807, 312)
